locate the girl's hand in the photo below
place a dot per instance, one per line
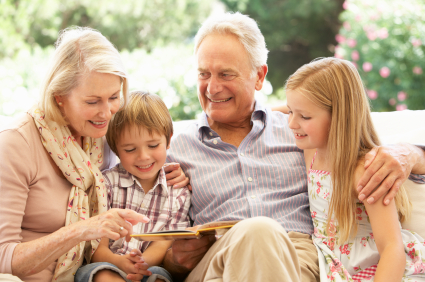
(109, 225)
(175, 176)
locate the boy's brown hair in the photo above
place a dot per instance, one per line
(143, 109)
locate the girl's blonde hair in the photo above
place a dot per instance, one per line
(335, 85)
(79, 51)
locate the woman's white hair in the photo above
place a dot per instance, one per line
(244, 28)
(79, 51)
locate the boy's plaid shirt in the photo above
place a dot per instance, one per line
(166, 207)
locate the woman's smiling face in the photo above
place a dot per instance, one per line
(88, 108)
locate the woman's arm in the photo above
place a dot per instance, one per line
(387, 234)
(33, 256)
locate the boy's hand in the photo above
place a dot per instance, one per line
(134, 265)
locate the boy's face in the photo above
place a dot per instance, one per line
(142, 154)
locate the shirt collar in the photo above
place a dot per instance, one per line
(259, 113)
(126, 180)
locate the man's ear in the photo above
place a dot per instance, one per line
(261, 75)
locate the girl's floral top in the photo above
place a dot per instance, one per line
(355, 260)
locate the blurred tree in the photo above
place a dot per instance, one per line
(128, 24)
(296, 31)
(387, 44)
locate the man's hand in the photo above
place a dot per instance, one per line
(134, 265)
(184, 255)
(387, 167)
(175, 176)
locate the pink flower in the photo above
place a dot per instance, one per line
(358, 211)
(355, 55)
(384, 72)
(313, 214)
(416, 42)
(374, 17)
(401, 96)
(367, 67)
(358, 17)
(345, 5)
(401, 107)
(411, 254)
(410, 245)
(339, 38)
(372, 94)
(417, 70)
(371, 236)
(383, 33)
(351, 43)
(419, 267)
(371, 35)
(339, 56)
(392, 101)
(347, 26)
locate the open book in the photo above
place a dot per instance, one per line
(201, 230)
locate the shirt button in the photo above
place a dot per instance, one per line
(242, 154)
(210, 133)
(215, 141)
(253, 196)
(250, 179)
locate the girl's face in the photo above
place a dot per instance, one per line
(89, 107)
(309, 123)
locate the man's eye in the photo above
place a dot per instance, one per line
(203, 75)
(227, 76)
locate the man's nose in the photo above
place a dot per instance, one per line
(214, 85)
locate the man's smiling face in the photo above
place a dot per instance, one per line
(226, 87)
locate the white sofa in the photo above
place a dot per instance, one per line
(392, 127)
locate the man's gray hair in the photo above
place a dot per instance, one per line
(244, 28)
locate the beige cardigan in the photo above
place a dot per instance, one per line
(28, 181)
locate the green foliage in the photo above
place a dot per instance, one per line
(387, 44)
(153, 36)
(296, 31)
(129, 25)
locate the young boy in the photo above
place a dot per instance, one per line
(139, 134)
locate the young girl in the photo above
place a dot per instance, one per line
(330, 118)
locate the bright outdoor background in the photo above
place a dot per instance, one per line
(384, 39)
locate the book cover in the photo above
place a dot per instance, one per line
(194, 232)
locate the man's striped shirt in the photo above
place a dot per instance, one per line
(264, 176)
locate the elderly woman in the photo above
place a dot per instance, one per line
(52, 197)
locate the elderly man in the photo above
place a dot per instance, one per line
(243, 165)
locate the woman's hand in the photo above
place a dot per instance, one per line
(175, 176)
(109, 225)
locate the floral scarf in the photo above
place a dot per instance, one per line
(87, 198)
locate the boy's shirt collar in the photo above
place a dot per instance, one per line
(126, 180)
